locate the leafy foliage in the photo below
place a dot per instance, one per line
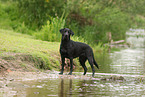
(35, 13)
(97, 18)
(50, 31)
(91, 20)
(8, 14)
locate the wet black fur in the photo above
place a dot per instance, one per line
(71, 49)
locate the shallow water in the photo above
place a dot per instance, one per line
(128, 62)
(82, 88)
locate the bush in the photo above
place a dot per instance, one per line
(50, 31)
(140, 22)
(22, 29)
(7, 14)
(96, 18)
(36, 12)
(90, 20)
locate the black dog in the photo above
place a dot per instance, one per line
(70, 49)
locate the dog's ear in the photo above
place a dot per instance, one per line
(61, 30)
(72, 33)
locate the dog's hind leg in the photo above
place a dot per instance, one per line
(90, 59)
(82, 60)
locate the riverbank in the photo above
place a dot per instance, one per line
(24, 58)
(20, 51)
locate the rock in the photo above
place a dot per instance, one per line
(121, 78)
(11, 79)
(103, 79)
(116, 78)
(113, 78)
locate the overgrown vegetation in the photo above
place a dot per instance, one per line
(90, 20)
(50, 31)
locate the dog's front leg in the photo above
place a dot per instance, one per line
(63, 63)
(71, 66)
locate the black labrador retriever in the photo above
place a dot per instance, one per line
(71, 49)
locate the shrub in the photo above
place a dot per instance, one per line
(7, 14)
(36, 12)
(96, 18)
(50, 31)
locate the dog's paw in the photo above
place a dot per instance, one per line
(60, 73)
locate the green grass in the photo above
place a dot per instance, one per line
(44, 54)
(20, 43)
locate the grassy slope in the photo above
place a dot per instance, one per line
(19, 43)
(26, 45)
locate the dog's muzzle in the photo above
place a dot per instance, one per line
(66, 36)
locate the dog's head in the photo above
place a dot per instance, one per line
(66, 33)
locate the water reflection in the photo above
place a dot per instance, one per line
(62, 88)
(130, 60)
(126, 60)
(74, 87)
(65, 88)
(94, 88)
(71, 87)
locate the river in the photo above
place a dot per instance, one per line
(127, 62)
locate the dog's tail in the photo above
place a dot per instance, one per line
(95, 62)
